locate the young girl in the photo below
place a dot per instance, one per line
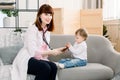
(79, 51)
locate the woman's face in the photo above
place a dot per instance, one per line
(46, 18)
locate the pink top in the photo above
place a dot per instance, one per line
(43, 47)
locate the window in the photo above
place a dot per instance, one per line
(1, 19)
(111, 9)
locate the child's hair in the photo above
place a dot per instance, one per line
(82, 32)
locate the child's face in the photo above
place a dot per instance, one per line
(79, 38)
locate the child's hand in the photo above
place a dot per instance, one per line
(64, 49)
(68, 45)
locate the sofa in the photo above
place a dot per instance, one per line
(103, 60)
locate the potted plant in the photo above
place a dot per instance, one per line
(9, 21)
(10, 12)
(105, 31)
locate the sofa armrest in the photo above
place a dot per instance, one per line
(111, 58)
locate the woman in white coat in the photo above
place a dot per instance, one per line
(32, 58)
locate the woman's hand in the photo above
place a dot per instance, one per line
(54, 52)
(58, 51)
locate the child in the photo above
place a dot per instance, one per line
(78, 50)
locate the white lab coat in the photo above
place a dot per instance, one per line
(32, 43)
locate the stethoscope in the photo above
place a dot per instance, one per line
(44, 38)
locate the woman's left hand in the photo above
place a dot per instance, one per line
(61, 50)
(56, 52)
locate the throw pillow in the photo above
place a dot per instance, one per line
(8, 54)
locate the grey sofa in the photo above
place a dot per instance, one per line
(103, 60)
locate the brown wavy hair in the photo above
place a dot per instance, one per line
(45, 8)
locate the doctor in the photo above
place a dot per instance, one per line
(33, 57)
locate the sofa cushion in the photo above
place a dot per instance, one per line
(7, 54)
(93, 71)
